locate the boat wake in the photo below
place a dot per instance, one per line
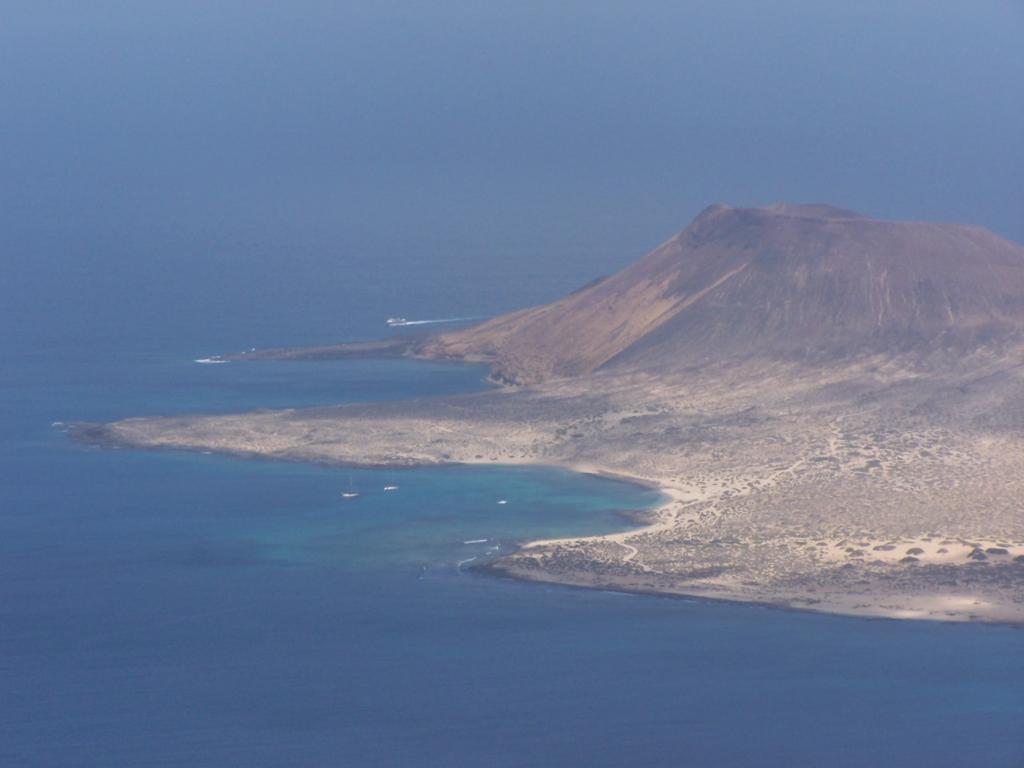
(397, 322)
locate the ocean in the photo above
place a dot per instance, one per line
(179, 180)
(165, 608)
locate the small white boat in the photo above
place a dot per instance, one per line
(351, 492)
(503, 501)
(396, 321)
(476, 541)
(390, 487)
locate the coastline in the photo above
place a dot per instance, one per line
(532, 561)
(949, 609)
(496, 570)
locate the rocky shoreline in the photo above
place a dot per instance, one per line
(833, 406)
(746, 516)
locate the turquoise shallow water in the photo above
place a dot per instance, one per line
(436, 518)
(186, 179)
(181, 609)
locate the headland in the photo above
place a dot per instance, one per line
(832, 406)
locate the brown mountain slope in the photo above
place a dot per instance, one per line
(790, 281)
(884, 484)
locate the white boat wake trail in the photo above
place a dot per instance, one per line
(439, 320)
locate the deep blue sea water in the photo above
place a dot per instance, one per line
(165, 609)
(190, 178)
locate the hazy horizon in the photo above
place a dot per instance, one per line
(289, 153)
(730, 516)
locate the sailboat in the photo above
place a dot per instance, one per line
(351, 493)
(392, 486)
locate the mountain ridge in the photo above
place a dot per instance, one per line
(787, 281)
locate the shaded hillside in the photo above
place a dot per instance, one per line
(794, 281)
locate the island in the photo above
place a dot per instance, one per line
(832, 406)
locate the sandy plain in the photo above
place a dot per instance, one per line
(877, 487)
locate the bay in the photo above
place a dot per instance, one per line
(163, 608)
